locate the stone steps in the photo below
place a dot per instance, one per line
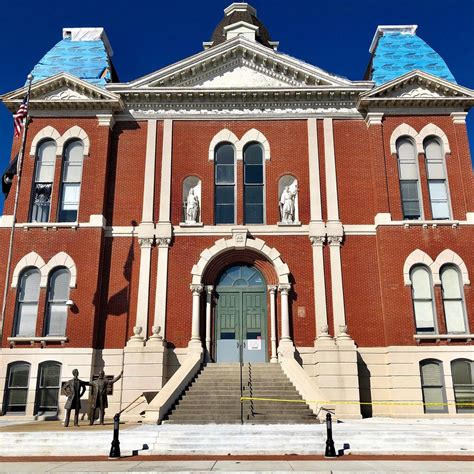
(214, 397)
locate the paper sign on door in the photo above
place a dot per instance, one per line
(254, 344)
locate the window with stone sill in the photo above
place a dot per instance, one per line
(423, 302)
(48, 387)
(432, 385)
(16, 387)
(71, 181)
(26, 312)
(56, 307)
(453, 300)
(43, 181)
(409, 178)
(436, 174)
(462, 371)
(254, 189)
(224, 188)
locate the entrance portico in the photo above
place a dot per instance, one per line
(241, 301)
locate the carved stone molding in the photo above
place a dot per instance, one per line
(335, 240)
(196, 289)
(318, 240)
(145, 242)
(162, 242)
(284, 289)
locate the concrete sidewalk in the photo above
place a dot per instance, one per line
(328, 466)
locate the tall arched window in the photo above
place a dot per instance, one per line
(43, 184)
(422, 293)
(453, 300)
(49, 383)
(463, 382)
(56, 309)
(432, 385)
(27, 303)
(71, 181)
(436, 179)
(224, 208)
(16, 387)
(409, 182)
(253, 184)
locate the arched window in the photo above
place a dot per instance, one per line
(27, 303)
(49, 383)
(409, 182)
(71, 181)
(432, 385)
(43, 184)
(453, 300)
(224, 204)
(422, 293)
(463, 383)
(56, 309)
(16, 389)
(253, 184)
(436, 173)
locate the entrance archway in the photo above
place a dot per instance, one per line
(240, 315)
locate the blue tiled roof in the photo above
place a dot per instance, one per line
(397, 53)
(87, 60)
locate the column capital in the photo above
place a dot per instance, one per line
(459, 117)
(317, 240)
(196, 289)
(145, 243)
(209, 289)
(163, 242)
(334, 240)
(284, 288)
(272, 289)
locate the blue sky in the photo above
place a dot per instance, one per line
(332, 35)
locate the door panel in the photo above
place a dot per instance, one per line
(228, 333)
(254, 327)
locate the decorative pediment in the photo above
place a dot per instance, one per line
(63, 91)
(236, 63)
(417, 88)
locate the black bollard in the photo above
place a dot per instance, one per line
(330, 450)
(115, 448)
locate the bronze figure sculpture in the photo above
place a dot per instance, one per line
(74, 389)
(98, 399)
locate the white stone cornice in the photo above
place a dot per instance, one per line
(374, 118)
(106, 120)
(459, 117)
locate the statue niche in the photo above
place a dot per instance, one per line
(192, 200)
(288, 192)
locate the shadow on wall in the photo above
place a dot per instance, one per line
(365, 394)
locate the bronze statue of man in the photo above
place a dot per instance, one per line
(98, 400)
(74, 389)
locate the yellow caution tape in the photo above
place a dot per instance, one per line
(344, 402)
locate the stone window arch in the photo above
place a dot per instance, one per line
(224, 135)
(45, 133)
(61, 259)
(432, 130)
(32, 259)
(403, 130)
(74, 132)
(253, 135)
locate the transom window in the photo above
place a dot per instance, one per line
(224, 209)
(241, 276)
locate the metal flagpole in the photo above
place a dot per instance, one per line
(15, 207)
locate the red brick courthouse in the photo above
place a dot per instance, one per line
(242, 204)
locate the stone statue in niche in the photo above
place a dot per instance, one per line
(287, 204)
(192, 207)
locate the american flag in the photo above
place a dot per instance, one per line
(21, 114)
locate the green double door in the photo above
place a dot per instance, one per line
(240, 324)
